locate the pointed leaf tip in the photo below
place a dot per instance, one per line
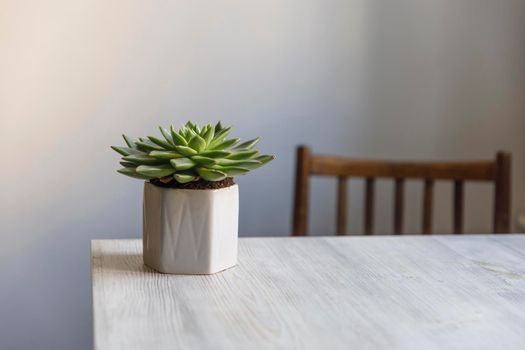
(248, 144)
(167, 135)
(131, 172)
(162, 143)
(130, 141)
(125, 151)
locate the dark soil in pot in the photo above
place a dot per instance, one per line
(196, 185)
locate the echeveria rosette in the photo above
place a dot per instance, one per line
(189, 154)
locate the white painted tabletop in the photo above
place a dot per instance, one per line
(380, 292)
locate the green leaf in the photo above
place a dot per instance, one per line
(208, 135)
(226, 144)
(219, 137)
(252, 166)
(167, 135)
(131, 172)
(246, 163)
(223, 132)
(141, 159)
(204, 130)
(182, 178)
(185, 150)
(265, 158)
(128, 164)
(211, 174)
(177, 138)
(155, 171)
(197, 143)
(146, 146)
(187, 133)
(190, 134)
(130, 141)
(218, 126)
(162, 143)
(243, 154)
(193, 127)
(223, 161)
(165, 154)
(231, 170)
(203, 160)
(126, 151)
(248, 144)
(182, 163)
(192, 172)
(215, 154)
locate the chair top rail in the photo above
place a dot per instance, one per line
(483, 170)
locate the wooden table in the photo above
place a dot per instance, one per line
(381, 292)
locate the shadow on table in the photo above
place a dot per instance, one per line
(129, 263)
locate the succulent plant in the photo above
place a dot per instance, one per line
(189, 154)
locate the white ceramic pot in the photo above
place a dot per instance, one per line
(190, 231)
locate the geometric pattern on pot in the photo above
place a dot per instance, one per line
(190, 231)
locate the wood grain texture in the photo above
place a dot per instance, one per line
(369, 292)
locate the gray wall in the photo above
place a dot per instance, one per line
(404, 79)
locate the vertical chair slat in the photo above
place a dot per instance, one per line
(458, 206)
(398, 205)
(342, 195)
(369, 206)
(428, 194)
(502, 196)
(301, 198)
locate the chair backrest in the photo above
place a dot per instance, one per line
(497, 171)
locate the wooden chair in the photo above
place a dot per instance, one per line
(497, 171)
